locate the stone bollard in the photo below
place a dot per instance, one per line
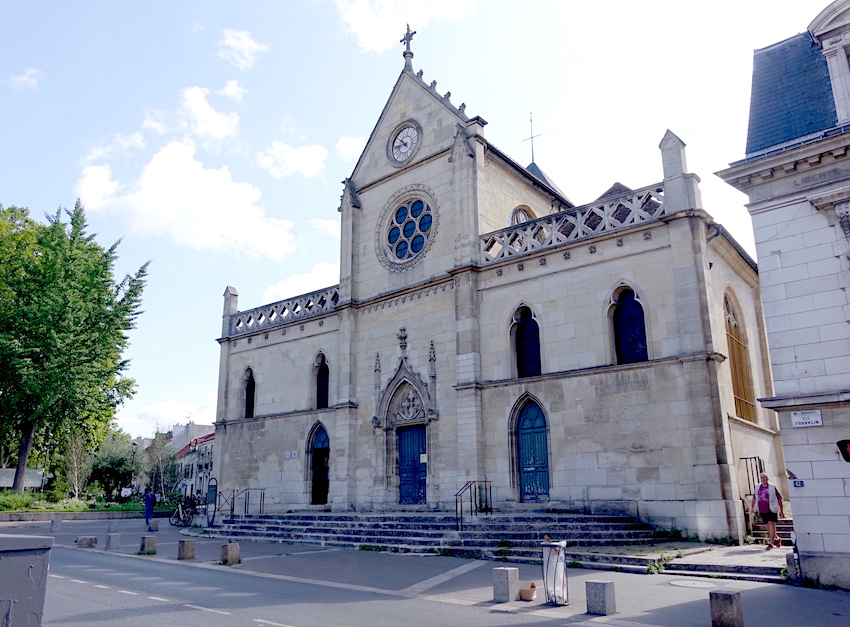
(600, 597)
(230, 554)
(505, 584)
(86, 542)
(153, 525)
(726, 608)
(186, 550)
(148, 545)
(56, 525)
(113, 542)
(112, 526)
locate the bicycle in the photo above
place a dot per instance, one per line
(182, 516)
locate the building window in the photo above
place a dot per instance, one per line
(250, 391)
(521, 214)
(526, 343)
(322, 379)
(409, 229)
(739, 362)
(629, 328)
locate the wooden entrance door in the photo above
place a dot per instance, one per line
(533, 454)
(321, 454)
(412, 465)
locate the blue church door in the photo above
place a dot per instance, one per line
(533, 455)
(412, 466)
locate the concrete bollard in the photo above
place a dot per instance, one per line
(153, 525)
(113, 542)
(56, 525)
(600, 597)
(230, 554)
(112, 526)
(86, 542)
(148, 545)
(505, 584)
(726, 608)
(186, 550)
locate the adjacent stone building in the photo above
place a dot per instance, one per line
(596, 358)
(797, 176)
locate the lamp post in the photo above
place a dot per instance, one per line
(133, 463)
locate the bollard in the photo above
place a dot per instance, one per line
(56, 525)
(505, 584)
(113, 542)
(86, 542)
(153, 525)
(230, 554)
(148, 545)
(112, 526)
(186, 550)
(726, 608)
(600, 597)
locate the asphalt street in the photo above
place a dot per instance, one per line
(298, 585)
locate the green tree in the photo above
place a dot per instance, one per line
(112, 466)
(161, 466)
(63, 323)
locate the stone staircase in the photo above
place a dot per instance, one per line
(784, 527)
(764, 574)
(511, 537)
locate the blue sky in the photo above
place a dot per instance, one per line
(212, 136)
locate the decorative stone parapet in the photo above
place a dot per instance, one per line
(611, 214)
(284, 311)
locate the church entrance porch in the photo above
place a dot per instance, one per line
(320, 454)
(412, 465)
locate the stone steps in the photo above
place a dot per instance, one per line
(784, 527)
(764, 574)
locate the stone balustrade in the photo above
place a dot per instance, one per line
(609, 214)
(284, 311)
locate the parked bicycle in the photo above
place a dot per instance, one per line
(182, 516)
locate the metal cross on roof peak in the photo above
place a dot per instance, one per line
(531, 125)
(407, 37)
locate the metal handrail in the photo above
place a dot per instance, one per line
(479, 495)
(230, 498)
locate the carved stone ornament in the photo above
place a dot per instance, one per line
(405, 194)
(405, 399)
(461, 145)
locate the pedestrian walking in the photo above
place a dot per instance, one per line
(767, 501)
(150, 501)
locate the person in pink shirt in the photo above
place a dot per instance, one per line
(769, 503)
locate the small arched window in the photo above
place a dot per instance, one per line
(629, 329)
(521, 214)
(739, 362)
(322, 382)
(526, 344)
(250, 392)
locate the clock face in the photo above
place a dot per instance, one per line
(405, 143)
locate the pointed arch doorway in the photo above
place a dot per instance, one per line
(532, 454)
(320, 454)
(412, 465)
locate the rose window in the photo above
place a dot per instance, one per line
(409, 229)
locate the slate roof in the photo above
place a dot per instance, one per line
(791, 93)
(535, 170)
(617, 189)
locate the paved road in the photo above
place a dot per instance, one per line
(308, 585)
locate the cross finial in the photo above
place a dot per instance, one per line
(407, 37)
(531, 125)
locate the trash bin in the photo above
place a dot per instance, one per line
(555, 572)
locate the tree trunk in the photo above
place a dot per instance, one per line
(27, 437)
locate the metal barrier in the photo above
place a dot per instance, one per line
(228, 501)
(477, 496)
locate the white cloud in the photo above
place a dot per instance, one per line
(153, 122)
(28, 79)
(118, 145)
(239, 48)
(206, 122)
(349, 148)
(328, 227)
(379, 24)
(204, 208)
(233, 90)
(96, 188)
(144, 421)
(281, 160)
(324, 274)
(287, 123)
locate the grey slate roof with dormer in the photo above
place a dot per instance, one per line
(791, 93)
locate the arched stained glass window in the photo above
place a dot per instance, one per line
(739, 362)
(250, 392)
(527, 344)
(629, 329)
(322, 381)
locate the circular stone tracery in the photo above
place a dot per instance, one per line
(409, 229)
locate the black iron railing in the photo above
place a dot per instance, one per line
(475, 497)
(233, 500)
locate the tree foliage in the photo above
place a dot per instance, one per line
(161, 466)
(112, 466)
(63, 323)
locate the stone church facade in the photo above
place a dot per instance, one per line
(595, 358)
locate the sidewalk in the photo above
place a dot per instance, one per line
(660, 600)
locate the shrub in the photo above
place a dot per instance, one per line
(15, 500)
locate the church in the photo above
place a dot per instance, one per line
(603, 358)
